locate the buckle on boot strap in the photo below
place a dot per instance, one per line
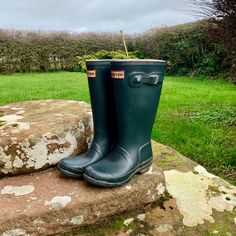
(137, 79)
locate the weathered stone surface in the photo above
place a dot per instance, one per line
(35, 135)
(201, 204)
(47, 203)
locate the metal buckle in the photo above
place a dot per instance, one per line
(137, 79)
(156, 77)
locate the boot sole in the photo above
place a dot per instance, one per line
(143, 168)
(69, 174)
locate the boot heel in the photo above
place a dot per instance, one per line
(143, 170)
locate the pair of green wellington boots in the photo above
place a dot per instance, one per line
(124, 97)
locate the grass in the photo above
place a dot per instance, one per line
(198, 118)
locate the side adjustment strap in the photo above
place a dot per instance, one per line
(137, 79)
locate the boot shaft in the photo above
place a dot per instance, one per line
(137, 89)
(102, 98)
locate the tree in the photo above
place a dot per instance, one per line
(222, 15)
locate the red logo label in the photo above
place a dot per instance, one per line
(118, 74)
(91, 73)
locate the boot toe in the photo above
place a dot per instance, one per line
(97, 173)
(67, 164)
(112, 171)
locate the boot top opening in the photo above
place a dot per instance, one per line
(138, 62)
(99, 62)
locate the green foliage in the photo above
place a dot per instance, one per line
(115, 54)
(81, 66)
(31, 52)
(217, 115)
(189, 49)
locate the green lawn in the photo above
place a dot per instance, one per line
(198, 118)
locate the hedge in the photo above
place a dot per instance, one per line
(189, 50)
(32, 51)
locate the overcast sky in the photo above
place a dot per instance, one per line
(131, 16)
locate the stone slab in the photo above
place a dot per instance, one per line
(196, 203)
(37, 134)
(185, 200)
(47, 203)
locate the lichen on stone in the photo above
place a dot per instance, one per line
(128, 221)
(38, 221)
(58, 202)
(141, 217)
(18, 190)
(15, 232)
(5, 161)
(164, 228)
(128, 187)
(201, 170)
(29, 141)
(149, 172)
(160, 189)
(38, 155)
(77, 220)
(13, 121)
(191, 192)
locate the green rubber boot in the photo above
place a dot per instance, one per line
(104, 119)
(137, 90)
